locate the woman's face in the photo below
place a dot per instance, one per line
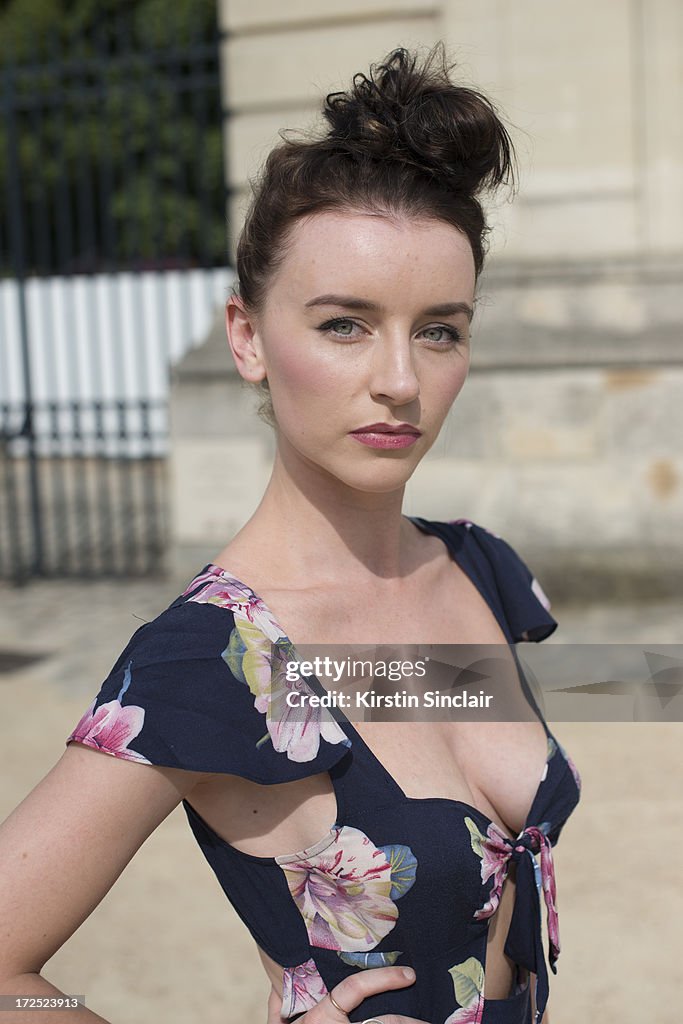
(366, 322)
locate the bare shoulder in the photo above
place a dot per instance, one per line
(68, 841)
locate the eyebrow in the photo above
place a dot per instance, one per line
(351, 302)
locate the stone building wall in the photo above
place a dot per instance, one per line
(566, 438)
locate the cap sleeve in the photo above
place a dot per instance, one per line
(524, 602)
(203, 689)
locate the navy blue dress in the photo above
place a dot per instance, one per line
(395, 880)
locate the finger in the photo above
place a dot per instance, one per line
(351, 991)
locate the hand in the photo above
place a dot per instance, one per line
(350, 993)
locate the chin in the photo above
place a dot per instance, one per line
(370, 470)
(377, 479)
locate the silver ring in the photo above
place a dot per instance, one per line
(336, 1004)
(372, 1020)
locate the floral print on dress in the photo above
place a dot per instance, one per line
(572, 767)
(496, 850)
(111, 727)
(346, 893)
(210, 681)
(550, 895)
(553, 747)
(468, 983)
(302, 988)
(366, 961)
(257, 653)
(227, 592)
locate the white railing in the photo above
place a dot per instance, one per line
(105, 338)
(108, 335)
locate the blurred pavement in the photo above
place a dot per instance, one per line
(165, 943)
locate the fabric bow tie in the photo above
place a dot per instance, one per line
(524, 943)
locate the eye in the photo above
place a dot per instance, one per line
(341, 327)
(441, 334)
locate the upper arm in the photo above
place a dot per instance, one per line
(65, 845)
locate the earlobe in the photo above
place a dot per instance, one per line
(244, 342)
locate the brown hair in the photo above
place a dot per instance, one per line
(404, 139)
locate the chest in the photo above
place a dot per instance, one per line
(495, 766)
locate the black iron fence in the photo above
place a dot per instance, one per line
(112, 225)
(73, 502)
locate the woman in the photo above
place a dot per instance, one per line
(388, 871)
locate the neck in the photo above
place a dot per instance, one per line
(314, 529)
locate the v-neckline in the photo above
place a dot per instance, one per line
(345, 723)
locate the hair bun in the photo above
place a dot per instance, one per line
(410, 111)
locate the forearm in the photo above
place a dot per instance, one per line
(37, 985)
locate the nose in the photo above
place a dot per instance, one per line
(393, 378)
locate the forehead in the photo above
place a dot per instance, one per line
(362, 253)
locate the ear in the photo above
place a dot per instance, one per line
(244, 341)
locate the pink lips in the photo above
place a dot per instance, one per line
(386, 435)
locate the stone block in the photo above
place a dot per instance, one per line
(548, 415)
(601, 527)
(558, 71)
(216, 485)
(257, 15)
(294, 67)
(448, 488)
(238, 204)
(641, 413)
(214, 409)
(570, 227)
(475, 36)
(600, 312)
(473, 428)
(658, 106)
(251, 136)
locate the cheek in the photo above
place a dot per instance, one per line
(299, 376)
(448, 386)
